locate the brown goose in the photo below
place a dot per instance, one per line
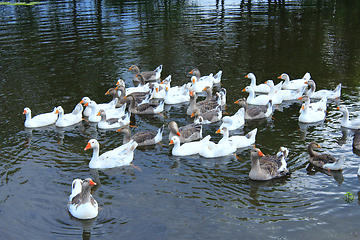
(324, 160)
(266, 167)
(142, 138)
(145, 108)
(212, 116)
(187, 133)
(356, 140)
(149, 76)
(203, 106)
(255, 112)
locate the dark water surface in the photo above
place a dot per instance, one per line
(57, 52)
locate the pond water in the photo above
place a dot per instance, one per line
(56, 52)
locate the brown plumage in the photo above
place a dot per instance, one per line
(319, 160)
(187, 133)
(254, 111)
(266, 167)
(149, 76)
(142, 138)
(145, 108)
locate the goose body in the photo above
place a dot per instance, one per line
(149, 76)
(212, 150)
(105, 106)
(324, 160)
(176, 97)
(255, 112)
(120, 156)
(186, 149)
(266, 167)
(142, 138)
(207, 117)
(356, 140)
(319, 106)
(69, 119)
(345, 121)
(296, 83)
(240, 141)
(83, 205)
(145, 108)
(235, 121)
(276, 96)
(187, 133)
(261, 88)
(256, 100)
(312, 93)
(198, 85)
(112, 122)
(212, 78)
(203, 106)
(40, 120)
(310, 115)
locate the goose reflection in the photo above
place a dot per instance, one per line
(255, 185)
(304, 127)
(337, 175)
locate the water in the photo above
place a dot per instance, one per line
(55, 53)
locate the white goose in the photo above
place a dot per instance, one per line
(296, 83)
(213, 150)
(69, 119)
(235, 121)
(120, 156)
(240, 141)
(276, 97)
(188, 148)
(312, 93)
(105, 106)
(113, 122)
(176, 97)
(198, 85)
(310, 115)
(345, 122)
(320, 105)
(252, 99)
(40, 120)
(261, 88)
(214, 78)
(83, 205)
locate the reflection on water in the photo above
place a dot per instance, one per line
(56, 53)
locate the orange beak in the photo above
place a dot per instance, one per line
(81, 101)
(24, 112)
(191, 72)
(300, 98)
(92, 183)
(86, 104)
(57, 111)
(88, 146)
(302, 107)
(261, 154)
(218, 131)
(204, 89)
(98, 114)
(129, 68)
(191, 93)
(193, 80)
(178, 133)
(118, 130)
(171, 142)
(237, 101)
(247, 76)
(107, 92)
(157, 89)
(244, 90)
(192, 115)
(279, 76)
